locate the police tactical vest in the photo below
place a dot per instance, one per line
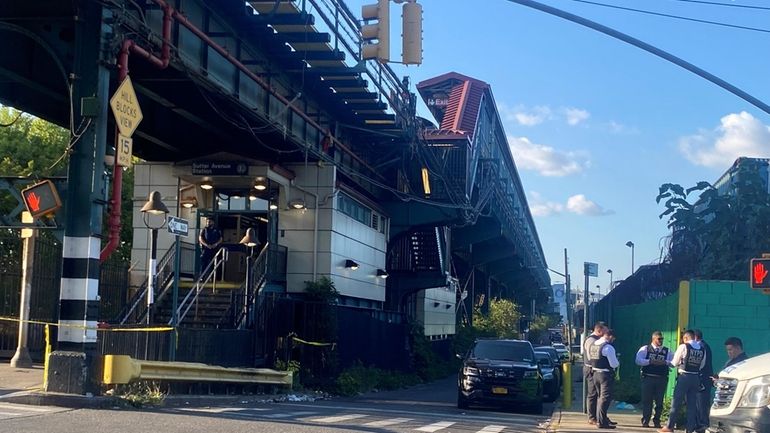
(660, 355)
(693, 359)
(595, 357)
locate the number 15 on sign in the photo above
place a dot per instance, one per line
(124, 151)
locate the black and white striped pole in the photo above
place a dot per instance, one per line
(71, 367)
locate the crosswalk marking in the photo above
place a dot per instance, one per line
(492, 429)
(220, 409)
(11, 406)
(10, 410)
(436, 426)
(387, 422)
(287, 415)
(340, 418)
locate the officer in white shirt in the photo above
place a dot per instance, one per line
(689, 359)
(603, 362)
(655, 360)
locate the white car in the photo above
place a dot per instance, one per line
(742, 400)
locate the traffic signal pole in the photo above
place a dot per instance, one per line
(72, 365)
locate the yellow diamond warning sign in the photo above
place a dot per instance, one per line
(125, 108)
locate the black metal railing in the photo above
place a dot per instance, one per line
(209, 275)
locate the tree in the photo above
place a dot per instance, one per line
(714, 235)
(502, 321)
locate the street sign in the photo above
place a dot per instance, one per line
(591, 269)
(41, 198)
(759, 274)
(177, 226)
(124, 150)
(125, 108)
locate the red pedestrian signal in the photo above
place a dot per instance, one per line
(760, 273)
(41, 198)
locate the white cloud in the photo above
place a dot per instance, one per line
(577, 204)
(546, 160)
(525, 116)
(576, 115)
(739, 134)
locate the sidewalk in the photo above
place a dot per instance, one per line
(14, 380)
(573, 419)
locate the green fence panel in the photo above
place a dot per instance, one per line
(723, 309)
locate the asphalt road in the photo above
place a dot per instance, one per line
(424, 408)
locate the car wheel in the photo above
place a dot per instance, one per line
(462, 402)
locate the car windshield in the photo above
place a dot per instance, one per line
(543, 359)
(503, 350)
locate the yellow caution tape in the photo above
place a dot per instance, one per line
(37, 322)
(311, 343)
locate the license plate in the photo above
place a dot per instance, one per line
(499, 390)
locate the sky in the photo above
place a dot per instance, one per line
(595, 125)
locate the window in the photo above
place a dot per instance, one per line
(354, 209)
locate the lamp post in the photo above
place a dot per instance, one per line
(631, 245)
(249, 240)
(154, 206)
(609, 271)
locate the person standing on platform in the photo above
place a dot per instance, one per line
(592, 396)
(689, 359)
(210, 239)
(655, 360)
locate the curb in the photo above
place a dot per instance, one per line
(34, 398)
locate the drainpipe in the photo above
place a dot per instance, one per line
(126, 48)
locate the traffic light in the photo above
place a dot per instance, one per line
(380, 31)
(760, 273)
(412, 34)
(41, 198)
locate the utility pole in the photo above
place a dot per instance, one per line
(569, 300)
(22, 359)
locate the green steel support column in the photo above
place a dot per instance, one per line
(72, 366)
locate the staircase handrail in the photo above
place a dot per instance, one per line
(141, 294)
(210, 273)
(257, 276)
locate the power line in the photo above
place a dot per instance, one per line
(677, 17)
(731, 5)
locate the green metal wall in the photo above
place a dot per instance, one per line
(633, 325)
(724, 309)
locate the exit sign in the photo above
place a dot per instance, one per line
(41, 198)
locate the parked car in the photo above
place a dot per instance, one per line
(551, 383)
(500, 372)
(561, 350)
(557, 361)
(742, 399)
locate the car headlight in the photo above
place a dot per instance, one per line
(530, 373)
(471, 371)
(757, 393)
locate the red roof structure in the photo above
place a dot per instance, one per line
(455, 100)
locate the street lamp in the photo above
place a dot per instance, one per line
(631, 245)
(154, 206)
(609, 271)
(249, 240)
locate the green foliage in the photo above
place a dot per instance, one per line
(538, 328)
(322, 290)
(502, 321)
(359, 379)
(30, 146)
(293, 367)
(425, 362)
(714, 236)
(142, 394)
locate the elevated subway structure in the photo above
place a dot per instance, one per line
(277, 91)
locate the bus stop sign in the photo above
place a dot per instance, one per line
(41, 198)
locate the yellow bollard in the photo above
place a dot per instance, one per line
(45, 356)
(566, 378)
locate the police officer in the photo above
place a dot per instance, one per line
(704, 393)
(689, 359)
(655, 360)
(210, 239)
(604, 362)
(592, 396)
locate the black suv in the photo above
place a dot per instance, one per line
(500, 372)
